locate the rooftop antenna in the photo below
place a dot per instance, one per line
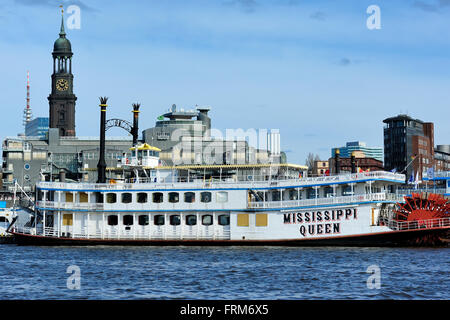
(27, 114)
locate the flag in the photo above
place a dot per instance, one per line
(416, 182)
(411, 178)
(430, 173)
(327, 173)
(160, 118)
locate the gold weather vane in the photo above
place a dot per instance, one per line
(62, 9)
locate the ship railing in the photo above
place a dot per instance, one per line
(69, 205)
(382, 196)
(416, 224)
(420, 190)
(98, 234)
(245, 181)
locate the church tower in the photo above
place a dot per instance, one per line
(61, 99)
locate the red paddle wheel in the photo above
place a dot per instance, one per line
(427, 209)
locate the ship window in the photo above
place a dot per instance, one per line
(143, 220)
(224, 220)
(159, 220)
(111, 198)
(205, 196)
(3, 219)
(175, 220)
(141, 197)
(157, 197)
(173, 197)
(222, 196)
(113, 220)
(189, 197)
(67, 219)
(207, 220)
(98, 197)
(126, 197)
(191, 220)
(128, 220)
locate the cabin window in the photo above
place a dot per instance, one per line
(242, 220)
(175, 220)
(128, 220)
(69, 197)
(111, 198)
(293, 194)
(84, 197)
(141, 197)
(126, 197)
(328, 192)
(189, 197)
(173, 197)
(276, 195)
(98, 197)
(113, 220)
(159, 220)
(222, 196)
(347, 191)
(3, 219)
(157, 197)
(261, 220)
(191, 220)
(224, 220)
(310, 193)
(143, 220)
(207, 220)
(67, 219)
(205, 196)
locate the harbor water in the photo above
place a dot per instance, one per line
(205, 273)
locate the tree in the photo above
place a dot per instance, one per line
(310, 159)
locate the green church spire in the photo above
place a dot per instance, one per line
(62, 33)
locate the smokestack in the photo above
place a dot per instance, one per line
(337, 161)
(353, 162)
(135, 122)
(62, 176)
(101, 166)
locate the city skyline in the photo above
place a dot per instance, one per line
(312, 70)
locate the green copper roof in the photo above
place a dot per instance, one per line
(62, 44)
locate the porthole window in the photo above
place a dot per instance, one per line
(27, 166)
(142, 197)
(126, 197)
(224, 220)
(159, 220)
(191, 220)
(189, 197)
(207, 220)
(111, 198)
(205, 196)
(113, 220)
(157, 197)
(143, 220)
(128, 220)
(174, 197)
(175, 220)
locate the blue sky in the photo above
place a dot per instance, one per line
(309, 68)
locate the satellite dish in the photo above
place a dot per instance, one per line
(174, 107)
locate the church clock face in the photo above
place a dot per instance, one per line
(62, 85)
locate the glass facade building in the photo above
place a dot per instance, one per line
(37, 128)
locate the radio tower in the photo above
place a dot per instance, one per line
(27, 114)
